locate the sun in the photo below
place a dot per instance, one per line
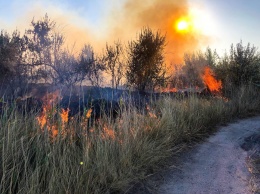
(182, 25)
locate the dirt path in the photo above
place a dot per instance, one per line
(217, 166)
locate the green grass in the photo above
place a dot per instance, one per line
(111, 154)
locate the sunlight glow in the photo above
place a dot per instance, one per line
(182, 25)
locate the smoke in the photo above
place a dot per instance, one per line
(122, 21)
(161, 15)
(75, 28)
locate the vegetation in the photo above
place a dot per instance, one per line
(146, 68)
(241, 66)
(48, 152)
(108, 156)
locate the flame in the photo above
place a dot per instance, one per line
(108, 133)
(88, 114)
(169, 90)
(209, 80)
(42, 119)
(54, 131)
(86, 117)
(45, 120)
(64, 115)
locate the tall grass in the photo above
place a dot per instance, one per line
(107, 156)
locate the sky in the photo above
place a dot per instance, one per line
(212, 23)
(236, 20)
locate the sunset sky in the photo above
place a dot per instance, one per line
(214, 23)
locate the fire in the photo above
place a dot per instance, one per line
(108, 133)
(85, 118)
(46, 119)
(210, 81)
(88, 114)
(64, 115)
(169, 90)
(42, 119)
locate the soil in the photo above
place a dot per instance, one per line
(222, 164)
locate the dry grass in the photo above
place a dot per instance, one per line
(106, 157)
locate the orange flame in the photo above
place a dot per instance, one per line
(42, 119)
(86, 117)
(64, 115)
(210, 81)
(88, 114)
(46, 117)
(169, 90)
(108, 133)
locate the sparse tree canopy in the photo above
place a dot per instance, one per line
(146, 69)
(91, 66)
(113, 58)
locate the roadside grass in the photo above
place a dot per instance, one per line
(107, 156)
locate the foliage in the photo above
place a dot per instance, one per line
(67, 70)
(12, 71)
(39, 56)
(145, 66)
(108, 156)
(44, 50)
(189, 75)
(241, 66)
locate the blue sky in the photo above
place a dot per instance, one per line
(236, 20)
(230, 20)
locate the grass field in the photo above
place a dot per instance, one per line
(107, 156)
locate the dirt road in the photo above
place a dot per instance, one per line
(217, 166)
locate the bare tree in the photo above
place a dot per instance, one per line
(114, 63)
(67, 69)
(91, 66)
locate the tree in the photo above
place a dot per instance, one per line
(91, 66)
(12, 71)
(44, 50)
(145, 65)
(67, 69)
(189, 75)
(114, 63)
(242, 66)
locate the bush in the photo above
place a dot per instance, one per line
(241, 67)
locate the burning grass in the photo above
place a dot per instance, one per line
(106, 156)
(210, 81)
